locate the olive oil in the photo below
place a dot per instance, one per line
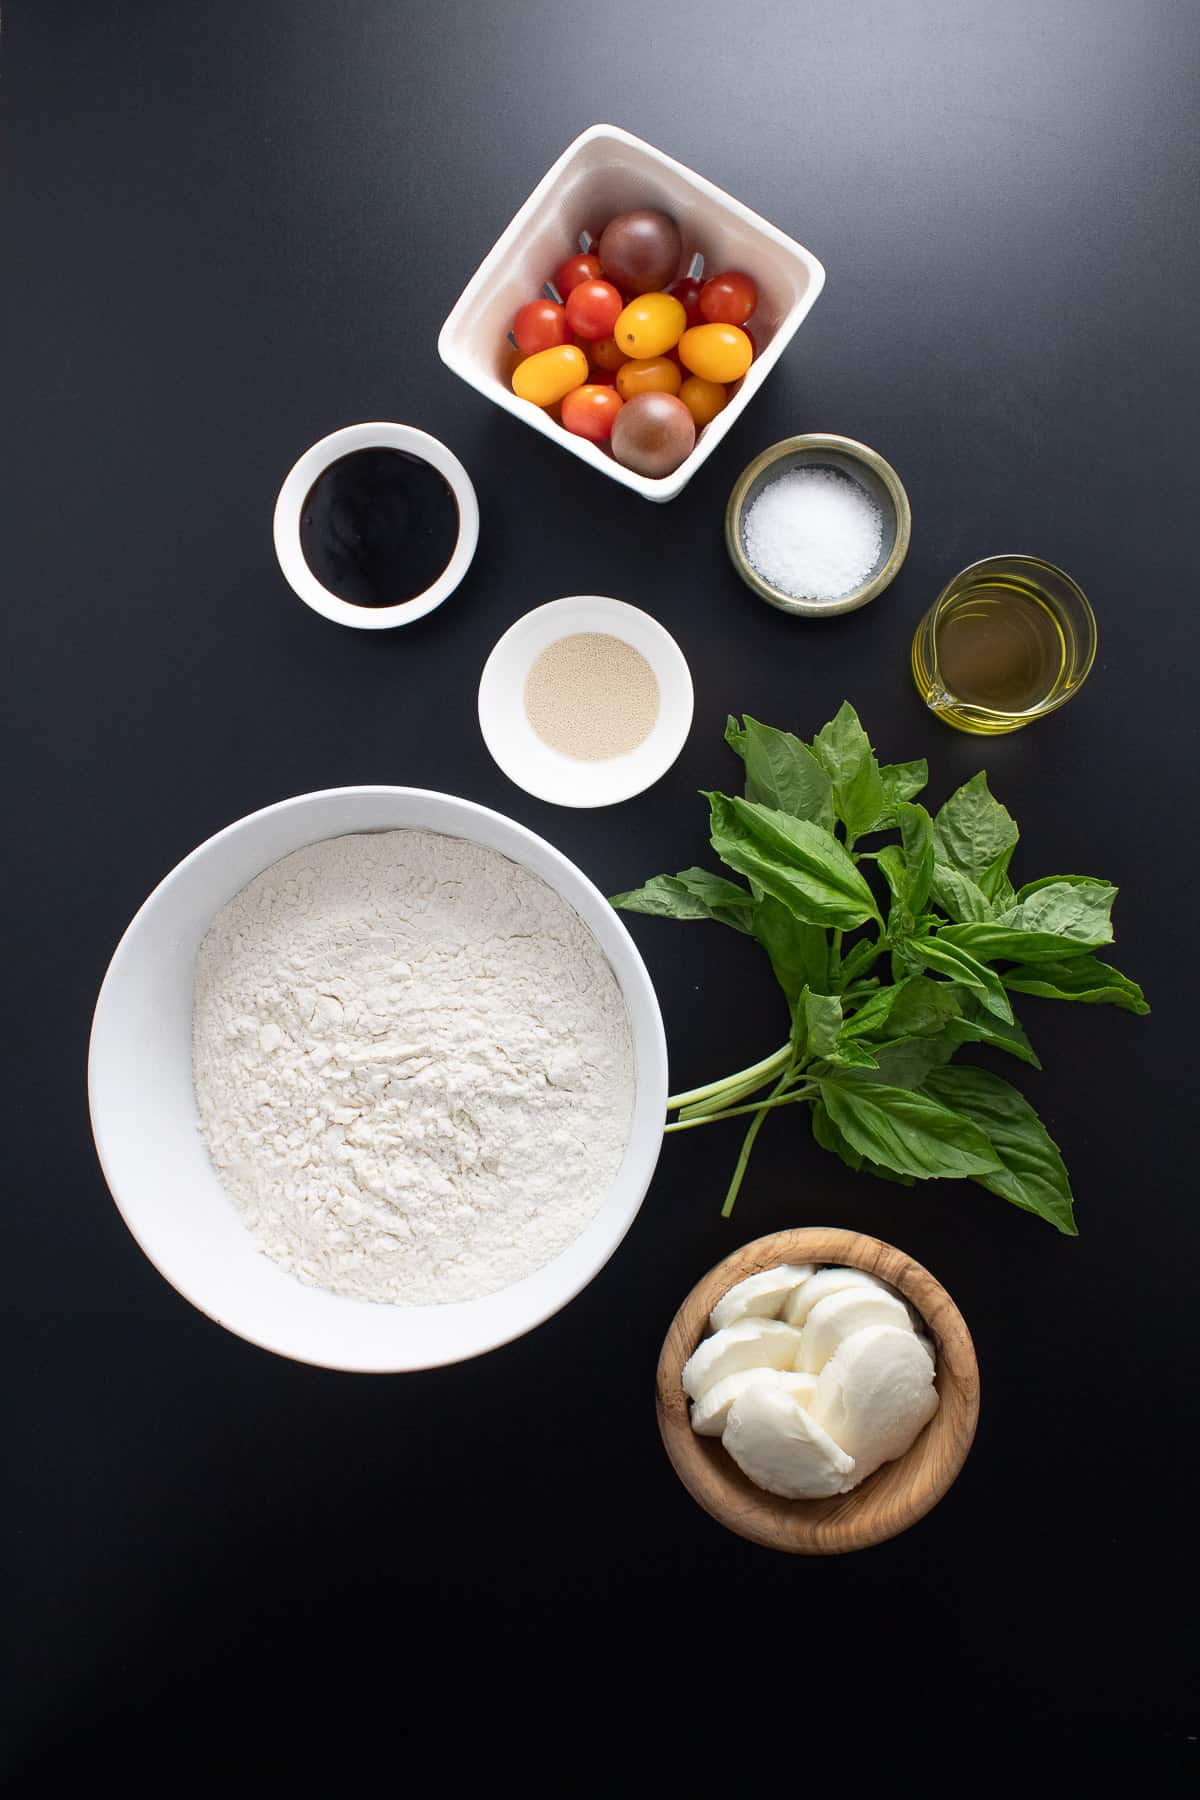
(999, 647)
(1010, 639)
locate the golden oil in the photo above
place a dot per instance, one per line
(1009, 640)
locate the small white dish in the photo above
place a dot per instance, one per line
(547, 773)
(604, 172)
(381, 434)
(159, 1172)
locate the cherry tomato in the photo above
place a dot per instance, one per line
(687, 291)
(601, 377)
(540, 325)
(569, 274)
(640, 250)
(589, 411)
(728, 299)
(651, 375)
(593, 308)
(716, 352)
(653, 434)
(605, 353)
(548, 375)
(650, 325)
(703, 399)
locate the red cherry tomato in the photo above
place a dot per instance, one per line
(568, 275)
(540, 325)
(728, 299)
(590, 411)
(593, 308)
(687, 291)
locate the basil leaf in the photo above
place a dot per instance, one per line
(844, 751)
(1032, 1174)
(903, 781)
(951, 959)
(1045, 881)
(830, 1138)
(1058, 921)
(799, 953)
(905, 1062)
(916, 838)
(975, 1026)
(976, 835)
(1084, 978)
(735, 737)
(1079, 910)
(958, 895)
(798, 862)
(911, 1133)
(874, 1011)
(822, 1022)
(861, 956)
(892, 865)
(692, 894)
(852, 1053)
(922, 1007)
(783, 772)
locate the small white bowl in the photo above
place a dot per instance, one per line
(604, 172)
(547, 773)
(380, 434)
(146, 1126)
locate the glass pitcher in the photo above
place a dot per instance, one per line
(1009, 639)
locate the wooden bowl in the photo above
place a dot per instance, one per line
(896, 1495)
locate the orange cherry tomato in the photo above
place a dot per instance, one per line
(650, 325)
(590, 411)
(729, 298)
(703, 399)
(540, 325)
(547, 376)
(569, 274)
(652, 375)
(716, 352)
(606, 353)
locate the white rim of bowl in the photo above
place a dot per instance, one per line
(378, 434)
(653, 1074)
(616, 609)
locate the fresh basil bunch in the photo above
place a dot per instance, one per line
(872, 1057)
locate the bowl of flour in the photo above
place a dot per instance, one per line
(377, 1079)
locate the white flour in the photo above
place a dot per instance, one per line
(413, 1066)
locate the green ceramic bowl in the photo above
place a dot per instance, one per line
(824, 450)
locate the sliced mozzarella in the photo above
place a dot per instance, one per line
(759, 1295)
(833, 1319)
(750, 1344)
(711, 1411)
(782, 1448)
(875, 1394)
(825, 1282)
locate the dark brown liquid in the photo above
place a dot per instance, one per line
(997, 647)
(378, 527)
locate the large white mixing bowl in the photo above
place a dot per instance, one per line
(144, 1115)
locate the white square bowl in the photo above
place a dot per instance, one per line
(604, 172)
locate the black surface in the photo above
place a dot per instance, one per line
(227, 230)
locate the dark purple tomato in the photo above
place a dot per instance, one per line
(640, 251)
(652, 434)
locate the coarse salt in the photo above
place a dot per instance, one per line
(814, 534)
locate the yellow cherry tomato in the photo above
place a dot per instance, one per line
(546, 376)
(650, 375)
(703, 399)
(715, 352)
(650, 325)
